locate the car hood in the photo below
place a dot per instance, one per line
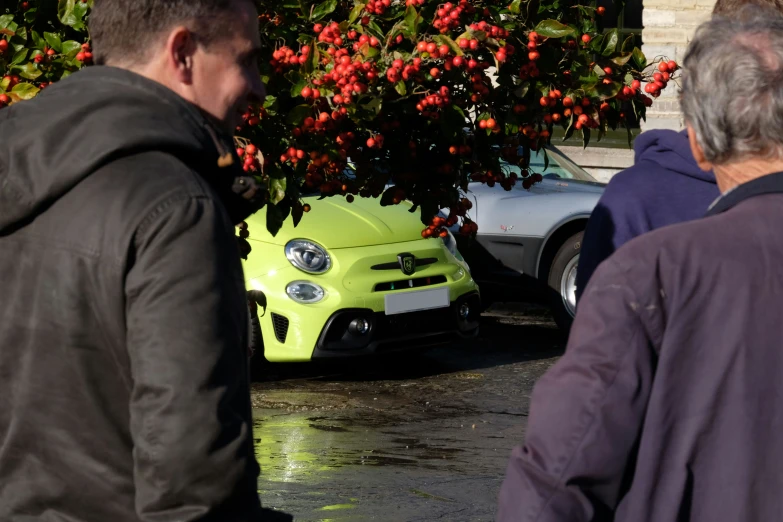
(334, 223)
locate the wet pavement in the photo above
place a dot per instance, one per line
(419, 437)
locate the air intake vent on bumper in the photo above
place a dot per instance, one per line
(280, 324)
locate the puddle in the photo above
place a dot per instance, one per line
(298, 448)
(336, 507)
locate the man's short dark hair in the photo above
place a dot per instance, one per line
(730, 7)
(122, 30)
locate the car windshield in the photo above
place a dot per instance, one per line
(559, 166)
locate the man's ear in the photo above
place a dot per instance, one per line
(180, 48)
(697, 151)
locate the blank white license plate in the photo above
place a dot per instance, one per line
(416, 301)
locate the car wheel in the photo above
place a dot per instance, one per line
(562, 281)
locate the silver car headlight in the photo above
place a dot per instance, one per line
(308, 256)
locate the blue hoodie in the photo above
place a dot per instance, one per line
(664, 186)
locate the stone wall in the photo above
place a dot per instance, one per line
(668, 28)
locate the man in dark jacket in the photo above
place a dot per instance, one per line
(667, 405)
(123, 319)
(663, 187)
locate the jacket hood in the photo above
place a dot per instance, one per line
(93, 117)
(672, 151)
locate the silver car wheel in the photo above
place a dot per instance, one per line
(568, 285)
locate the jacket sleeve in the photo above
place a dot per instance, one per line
(586, 414)
(614, 221)
(190, 411)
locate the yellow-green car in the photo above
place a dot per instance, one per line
(356, 279)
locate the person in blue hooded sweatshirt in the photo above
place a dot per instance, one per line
(664, 186)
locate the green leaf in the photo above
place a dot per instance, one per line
(374, 29)
(400, 88)
(522, 90)
(373, 105)
(443, 39)
(639, 58)
(25, 91)
(5, 20)
(356, 12)
(604, 92)
(21, 33)
(597, 43)
(622, 59)
(54, 41)
(388, 196)
(323, 9)
(514, 7)
(65, 12)
(298, 114)
(296, 89)
(277, 188)
(585, 137)
(627, 44)
(610, 43)
(4, 83)
(19, 57)
(274, 219)
(71, 48)
(39, 42)
(368, 51)
(554, 29)
(30, 15)
(29, 71)
(412, 21)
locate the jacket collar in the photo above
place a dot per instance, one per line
(768, 184)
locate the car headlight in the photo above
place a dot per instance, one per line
(308, 256)
(305, 292)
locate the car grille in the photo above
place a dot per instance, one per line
(280, 325)
(420, 261)
(405, 284)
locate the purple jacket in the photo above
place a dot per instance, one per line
(668, 403)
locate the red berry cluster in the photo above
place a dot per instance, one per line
(293, 155)
(85, 55)
(249, 152)
(414, 2)
(493, 30)
(3, 46)
(286, 57)
(491, 178)
(329, 34)
(377, 7)
(447, 17)
(660, 78)
(430, 104)
(252, 116)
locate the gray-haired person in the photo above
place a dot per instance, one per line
(667, 405)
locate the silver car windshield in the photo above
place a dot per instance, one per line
(559, 166)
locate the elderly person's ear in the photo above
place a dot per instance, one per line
(697, 151)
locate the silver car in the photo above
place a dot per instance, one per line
(529, 240)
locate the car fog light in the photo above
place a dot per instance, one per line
(464, 311)
(305, 292)
(359, 326)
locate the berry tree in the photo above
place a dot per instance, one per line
(402, 100)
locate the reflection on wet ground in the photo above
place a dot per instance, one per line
(421, 438)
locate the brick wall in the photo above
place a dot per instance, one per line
(668, 28)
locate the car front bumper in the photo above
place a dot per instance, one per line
(355, 287)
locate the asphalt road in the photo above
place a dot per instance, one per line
(416, 438)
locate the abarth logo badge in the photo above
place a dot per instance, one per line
(407, 263)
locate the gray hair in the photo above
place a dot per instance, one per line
(732, 88)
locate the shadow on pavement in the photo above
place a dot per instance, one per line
(509, 334)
